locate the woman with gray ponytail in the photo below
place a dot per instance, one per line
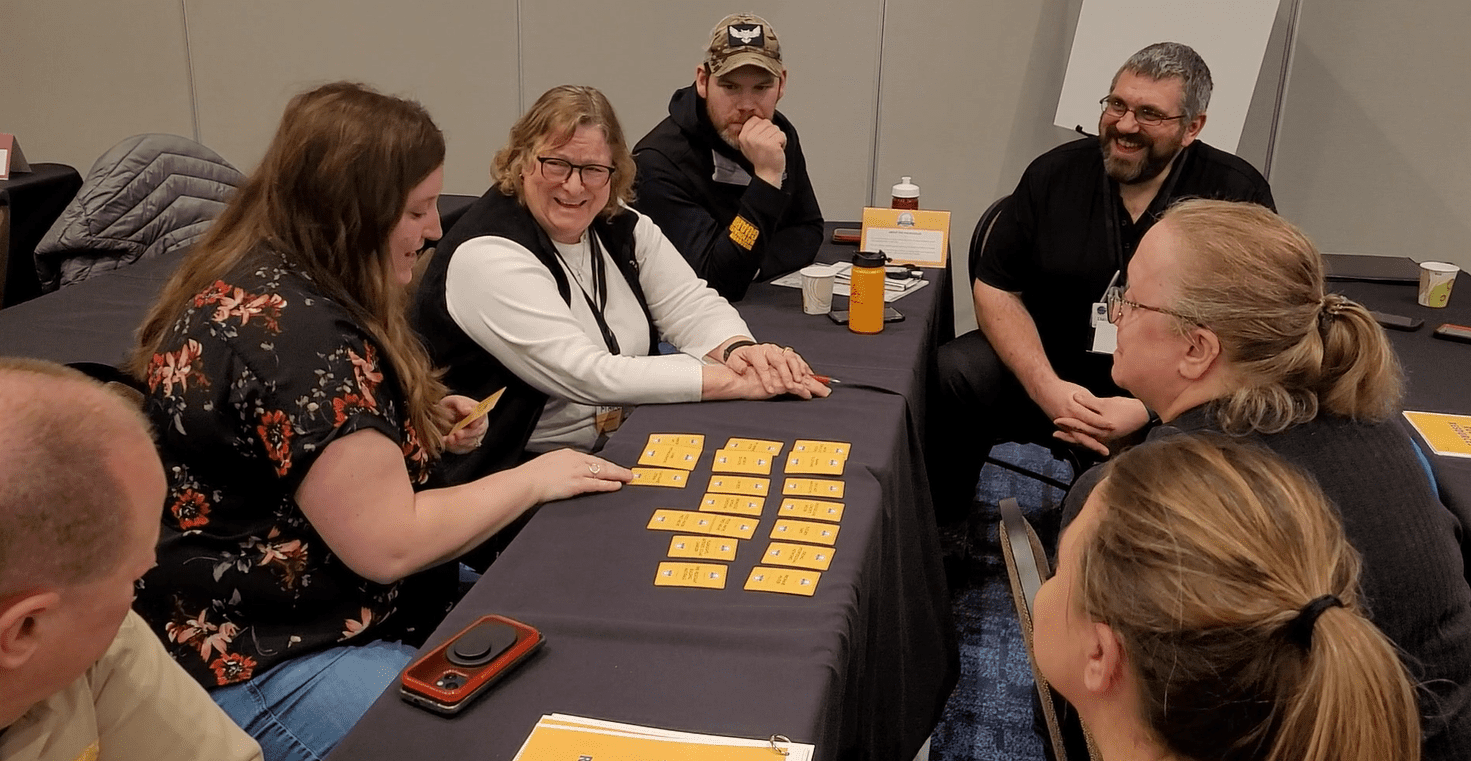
(1169, 651)
(1225, 324)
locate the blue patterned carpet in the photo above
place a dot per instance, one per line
(989, 716)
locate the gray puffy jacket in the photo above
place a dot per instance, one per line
(147, 196)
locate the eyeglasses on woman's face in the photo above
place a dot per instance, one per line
(558, 170)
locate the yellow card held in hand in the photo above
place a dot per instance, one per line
(702, 575)
(703, 548)
(753, 487)
(659, 477)
(819, 464)
(736, 461)
(480, 411)
(735, 504)
(811, 508)
(798, 555)
(670, 456)
(812, 487)
(772, 448)
(783, 580)
(696, 440)
(834, 448)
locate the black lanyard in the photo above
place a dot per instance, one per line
(600, 285)
(1113, 199)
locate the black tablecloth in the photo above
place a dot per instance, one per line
(35, 199)
(1437, 372)
(862, 669)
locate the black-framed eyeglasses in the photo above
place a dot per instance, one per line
(558, 170)
(1145, 115)
(1114, 298)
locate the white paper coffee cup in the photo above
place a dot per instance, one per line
(1436, 280)
(817, 289)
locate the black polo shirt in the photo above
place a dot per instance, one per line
(1053, 245)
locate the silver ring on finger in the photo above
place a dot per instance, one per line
(594, 468)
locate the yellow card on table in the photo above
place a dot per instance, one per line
(810, 446)
(702, 575)
(734, 527)
(754, 487)
(817, 464)
(735, 504)
(755, 445)
(736, 461)
(805, 531)
(481, 410)
(811, 508)
(1447, 435)
(907, 236)
(812, 487)
(798, 555)
(696, 440)
(670, 456)
(703, 547)
(783, 580)
(660, 477)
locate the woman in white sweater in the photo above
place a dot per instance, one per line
(553, 288)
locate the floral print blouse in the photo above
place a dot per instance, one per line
(259, 375)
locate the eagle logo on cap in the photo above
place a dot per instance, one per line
(745, 34)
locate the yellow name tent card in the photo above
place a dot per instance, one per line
(812, 487)
(799, 555)
(735, 504)
(811, 508)
(908, 237)
(783, 580)
(677, 479)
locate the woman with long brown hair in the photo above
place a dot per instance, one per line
(1226, 324)
(299, 421)
(1206, 607)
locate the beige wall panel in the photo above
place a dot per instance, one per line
(1373, 155)
(457, 57)
(77, 76)
(640, 52)
(968, 94)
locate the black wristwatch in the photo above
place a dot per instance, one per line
(738, 344)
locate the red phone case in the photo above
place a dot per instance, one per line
(418, 680)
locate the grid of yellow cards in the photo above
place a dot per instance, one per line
(807, 522)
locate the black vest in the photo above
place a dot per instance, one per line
(475, 372)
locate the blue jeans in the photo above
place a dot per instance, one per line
(300, 709)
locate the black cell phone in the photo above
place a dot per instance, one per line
(1451, 332)
(840, 316)
(450, 676)
(1397, 321)
(847, 235)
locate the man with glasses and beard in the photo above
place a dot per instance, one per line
(1071, 225)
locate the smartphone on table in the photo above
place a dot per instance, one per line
(448, 677)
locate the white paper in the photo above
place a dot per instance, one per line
(910, 244)
(1230, 36)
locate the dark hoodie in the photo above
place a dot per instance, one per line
(711, 222)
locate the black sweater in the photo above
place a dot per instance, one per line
(675, 187)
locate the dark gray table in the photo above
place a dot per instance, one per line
(862, 669)
(36, 198)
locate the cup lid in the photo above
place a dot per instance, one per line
(906, 189)
(869, 258)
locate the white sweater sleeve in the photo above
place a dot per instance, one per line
(507, 302)
(687, 312)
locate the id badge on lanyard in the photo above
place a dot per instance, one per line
(1105, 333)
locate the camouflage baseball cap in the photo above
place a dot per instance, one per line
(743, 39)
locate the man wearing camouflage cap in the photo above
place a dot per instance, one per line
(723, 175)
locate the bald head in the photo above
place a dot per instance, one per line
(64, 440)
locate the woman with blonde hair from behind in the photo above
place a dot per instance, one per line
(1225, 324)
(1206, 607)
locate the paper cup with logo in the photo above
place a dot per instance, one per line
(1436, 279)
(817, 289)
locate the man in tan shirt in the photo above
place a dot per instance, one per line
(81, 676)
